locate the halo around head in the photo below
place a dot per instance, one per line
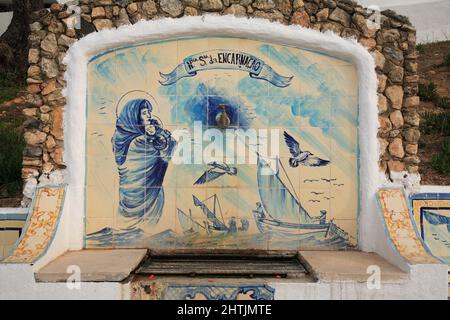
(135, 94)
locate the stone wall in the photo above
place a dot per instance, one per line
(392, 46)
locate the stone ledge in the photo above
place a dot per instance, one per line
(116, 265)
(113, 265)
(349, 266)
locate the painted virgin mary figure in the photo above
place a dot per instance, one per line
(143, 149)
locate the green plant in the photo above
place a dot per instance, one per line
(11, 148)
(441, 161)
(420, 48)
(436, 123)
(442, 102)
(428, 92)
(447, 60)
(10, 84)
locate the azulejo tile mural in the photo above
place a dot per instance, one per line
(221, 143)
(432, 217)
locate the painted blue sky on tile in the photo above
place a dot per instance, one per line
(331, 108)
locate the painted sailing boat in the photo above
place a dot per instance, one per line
(212, 223)
(188, 224)
(280, 212)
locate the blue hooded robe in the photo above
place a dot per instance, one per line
(141, 166)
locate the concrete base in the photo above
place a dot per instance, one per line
(328, 266)
(354, 275)
(17, 282)
(94, 265)
(333, 275)
(421, 285)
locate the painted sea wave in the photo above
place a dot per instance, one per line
(169, 239)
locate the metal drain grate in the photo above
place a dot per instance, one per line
(222, 266)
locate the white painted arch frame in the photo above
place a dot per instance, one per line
(70, 234)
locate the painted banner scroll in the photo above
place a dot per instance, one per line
(225, 59)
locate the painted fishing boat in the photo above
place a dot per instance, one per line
(213, 223)
(188, 224)
(286, 229)
(280, 212)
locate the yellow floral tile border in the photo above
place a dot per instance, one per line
(401, 228)
(40, 227)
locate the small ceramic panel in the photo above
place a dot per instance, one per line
(10, 230)
(432, 217)
(401, 227)
(162, 290)
(221, 143)
(40, 227)
(217, 292)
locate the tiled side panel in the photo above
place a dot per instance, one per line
(401, 228)
(40, 226)
(431, 213)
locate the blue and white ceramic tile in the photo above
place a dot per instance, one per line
(150, 103)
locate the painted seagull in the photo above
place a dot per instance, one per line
(216, 171)
(305, 158)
